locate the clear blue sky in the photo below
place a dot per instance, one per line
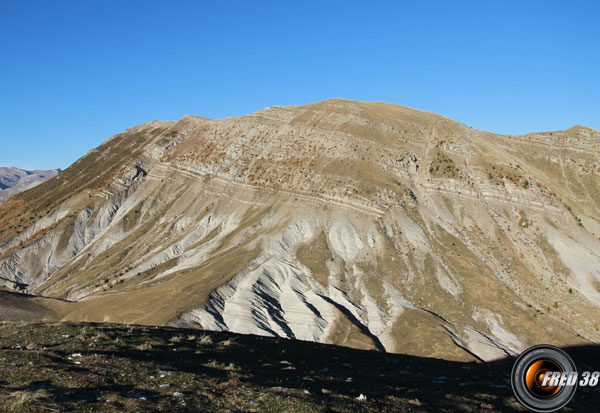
(73, 73)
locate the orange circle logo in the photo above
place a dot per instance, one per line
(544, 378)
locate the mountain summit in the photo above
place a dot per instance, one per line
(364, 224)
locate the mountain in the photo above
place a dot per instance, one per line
(15, 180)
(361, 224)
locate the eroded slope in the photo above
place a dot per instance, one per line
(364, 224)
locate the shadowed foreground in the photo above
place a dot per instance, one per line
(107, 367)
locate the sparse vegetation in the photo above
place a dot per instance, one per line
(147, 370)
(443, 166)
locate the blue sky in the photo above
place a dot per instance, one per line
(73, 73)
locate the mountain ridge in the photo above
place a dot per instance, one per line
(339, 221)
(15, 180)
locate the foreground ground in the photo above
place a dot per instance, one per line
(108, 367)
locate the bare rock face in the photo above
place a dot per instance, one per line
(15, 180)
(364, 224)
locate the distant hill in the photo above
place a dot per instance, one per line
(15, 180)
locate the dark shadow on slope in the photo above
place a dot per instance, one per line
(21, 307)
(122, 359)
(363, 329)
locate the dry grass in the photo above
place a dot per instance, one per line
(30, 400)
(257, 374)
(228, 343)
(205, 340)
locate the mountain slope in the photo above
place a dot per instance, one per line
(15, 180)
(363, 224)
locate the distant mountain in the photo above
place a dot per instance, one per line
(363, 224)
(15, 180)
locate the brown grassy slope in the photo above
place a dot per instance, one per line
(92, 172)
